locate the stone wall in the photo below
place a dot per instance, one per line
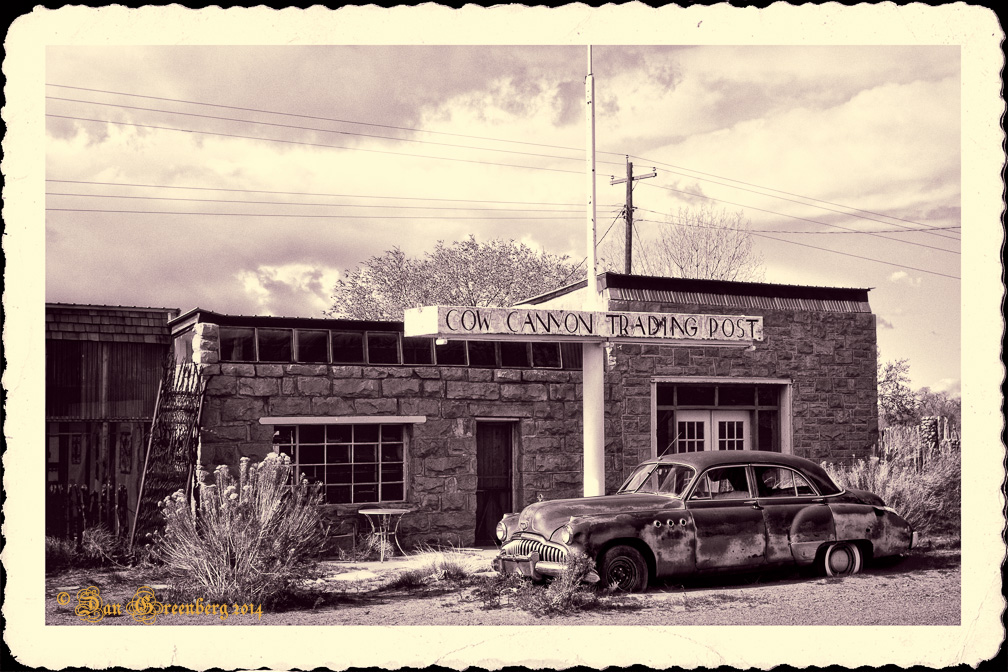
(829, 356)
(441, 452)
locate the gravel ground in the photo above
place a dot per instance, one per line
(921, 589)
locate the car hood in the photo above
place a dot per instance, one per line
(545, 518)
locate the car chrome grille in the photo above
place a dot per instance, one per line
(547, 552)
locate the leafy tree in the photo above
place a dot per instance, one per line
(699, 243)
(467, 272)
(897, 402)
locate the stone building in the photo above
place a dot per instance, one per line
(462, 431)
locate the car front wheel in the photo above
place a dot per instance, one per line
(623, 568)
(842, 559)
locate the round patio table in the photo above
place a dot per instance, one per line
(384, 525)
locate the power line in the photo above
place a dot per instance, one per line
(779, 191)
(597, 243)
(762, 234)
(804, 219)
(341, 205)
(310, 144)
(813, 247)
(857, 256)
(319, 118)
(803, 233)
(309, 193)
(671, 167)
(266, 214)
(322, 130)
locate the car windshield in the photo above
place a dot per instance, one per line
(664, 479)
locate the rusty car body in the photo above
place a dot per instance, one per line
(701, 512)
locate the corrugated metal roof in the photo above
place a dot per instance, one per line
(650, 289)
(739, 301)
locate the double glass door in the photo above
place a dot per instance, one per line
(698, 430)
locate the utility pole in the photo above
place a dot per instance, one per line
(628, 257)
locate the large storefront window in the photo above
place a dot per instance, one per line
(716, 416)
(354, 463)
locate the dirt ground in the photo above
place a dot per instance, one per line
(920, 589)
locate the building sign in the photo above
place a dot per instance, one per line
(542, 324)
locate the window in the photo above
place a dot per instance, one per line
(347, 347)
(723, 483)
(571, 355)
(275, 345)
(514, 354)
(781, 482)
(690, 436)
(731, 435)
(313, 346)
(450, 353)
(356, 464)
(546, 355)
(670, 479)
(383, 348)
(717, 416)
(483, 353)
(417, 350)
(237, 344)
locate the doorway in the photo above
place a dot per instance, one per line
(494, 443)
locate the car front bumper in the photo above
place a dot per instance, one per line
(527, 565)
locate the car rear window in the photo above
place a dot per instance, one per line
(820, 479)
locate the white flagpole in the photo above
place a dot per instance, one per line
(593, 374)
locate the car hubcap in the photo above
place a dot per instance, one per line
(623, 573)
(840, 561)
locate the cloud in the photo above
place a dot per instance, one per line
(289, 290)
(950, 386)
(902, 277)
(882, 322)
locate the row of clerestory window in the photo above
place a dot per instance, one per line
(324, 346)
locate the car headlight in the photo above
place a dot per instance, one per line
(566, 534)
(501, 530)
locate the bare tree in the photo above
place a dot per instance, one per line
(466, 272)
(695, 243)
(706, 244)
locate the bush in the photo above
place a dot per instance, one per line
(929, 498)
(564, 595)
(98, 547)
(250, 543)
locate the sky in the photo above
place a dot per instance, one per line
(248, 179)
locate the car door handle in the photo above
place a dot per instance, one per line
(755, 504)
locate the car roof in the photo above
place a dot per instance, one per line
(707, 458)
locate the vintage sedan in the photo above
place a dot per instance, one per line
(702, 512)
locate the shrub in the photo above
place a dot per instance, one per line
(563, 595)
(98, 547)
(250, 543)
(929, 498)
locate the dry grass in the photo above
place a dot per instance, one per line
(929, 498)
(438, 565)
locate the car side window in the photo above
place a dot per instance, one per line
(802, 486)
(781, 482)
(728, 483)
(702, 489)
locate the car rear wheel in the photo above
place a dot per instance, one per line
(842, 559)
(623, 568)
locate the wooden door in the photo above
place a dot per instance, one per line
(493, 477)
